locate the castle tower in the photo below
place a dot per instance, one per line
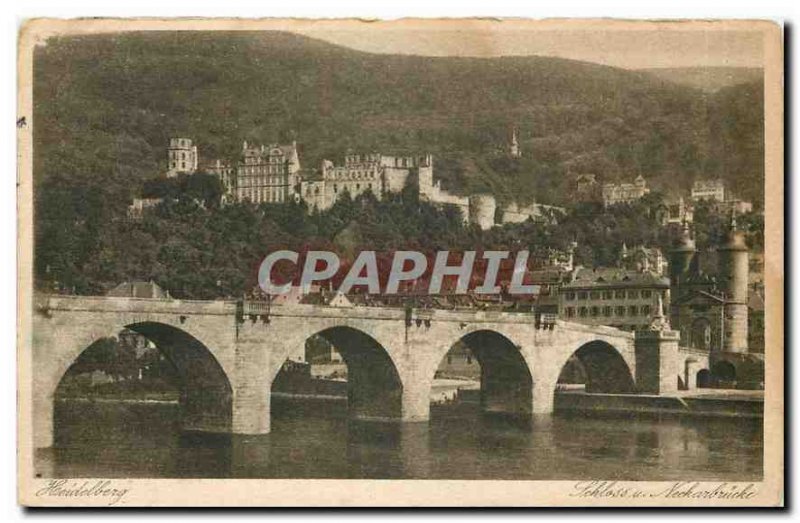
(482, 208)
(425, 175)
(681, 266)
(513, 148)
(732, 277)
(181, 157)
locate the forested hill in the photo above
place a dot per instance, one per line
(709, 79)
(106, 105)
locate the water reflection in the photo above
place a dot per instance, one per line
(316, 440)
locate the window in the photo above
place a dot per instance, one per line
(583, 311)
(569, 296)
(633, 295)
(582, 295)
(595, 295)
(619, 294)
(633, 310)
(647, 294)
(570, 311)
(595, 312)
(645, 310)
(607, 295)
(620, 311)
(606, 311)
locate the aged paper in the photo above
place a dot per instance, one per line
(400, 263)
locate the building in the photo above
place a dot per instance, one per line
(548, 282)
(181, 157)
(708, 190)
(372, 173)
(615, 193)
(735, 206)
(643, 259)
(140, 205)
(678, 211)
(227, 177)
(620, 298)
(724, 202)
(267, 174)
(587, 188)
(135, 342)
(139, 289)
(711, 311)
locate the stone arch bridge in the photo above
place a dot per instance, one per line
(228, 353)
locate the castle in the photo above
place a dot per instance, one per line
(272, 174)
(589, 189)
(181, 157)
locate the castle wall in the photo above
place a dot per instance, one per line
(482, 209)
(515, 214)
(395, 179)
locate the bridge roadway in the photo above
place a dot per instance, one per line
(228, 354)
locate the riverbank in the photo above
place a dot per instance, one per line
(703, 403)
(164, 400)
(700, 402)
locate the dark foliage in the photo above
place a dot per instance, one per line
(107, 105)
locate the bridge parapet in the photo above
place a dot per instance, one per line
(693, 351)
(45, 303)
(596, 329)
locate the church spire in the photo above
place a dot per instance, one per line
(514, 149)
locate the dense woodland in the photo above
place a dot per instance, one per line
(197, 250)
(106, 106)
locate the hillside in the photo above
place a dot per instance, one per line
(708, 79)
(106, 106)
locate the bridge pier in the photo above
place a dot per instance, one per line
(252, 385)
(657, 362)
(43, 426)
(416, 400)
(544, 391)
(251, 409)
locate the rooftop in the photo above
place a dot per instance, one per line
(612, 277)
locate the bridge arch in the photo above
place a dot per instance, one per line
(723, 374)
(603, 367)
(205, 387)
(374, 384)
(703, 378)
(506, 379)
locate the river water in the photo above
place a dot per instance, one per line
(314, 439)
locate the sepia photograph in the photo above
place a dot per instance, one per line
(537, 262)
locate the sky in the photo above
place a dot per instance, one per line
(657, 45)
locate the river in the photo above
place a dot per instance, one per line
(314, 439)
